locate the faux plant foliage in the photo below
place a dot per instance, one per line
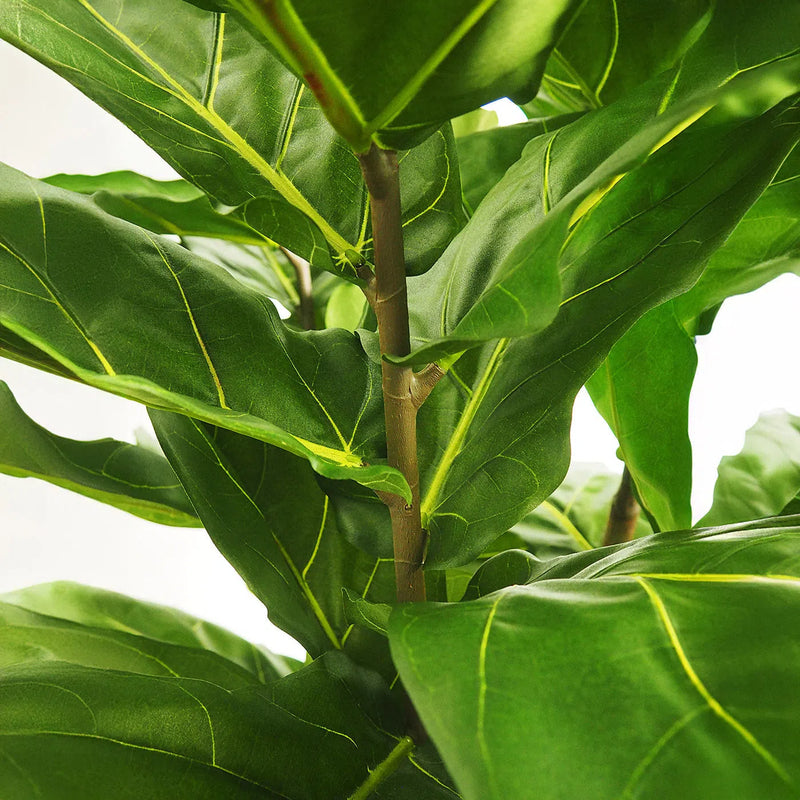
(762, 479)
(489, 463)
(155, 326)
(574, 517)
(658, 179)
(271, 153)
(646, 405)
(446, 60)
(609, 48)
(765, 244)
(486, 155)
(266, 514)
(507, 284)
(652, 430)
(229, 737)
(661, 668)
(98, 608)
(127, 476)
(170, 207)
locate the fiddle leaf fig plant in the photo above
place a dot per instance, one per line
(387, 463)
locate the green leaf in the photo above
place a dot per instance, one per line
(665, 668)
(643, 387)
(499, 425)
(270, 153)
(762, 479)
(481, 119)
(372, 616)
(613, 46)
(173, 207)
(264, 269)
(496, 278)
(161, 326)
(500, 276)
(432, 63)
(485, 156)
(509, 568)
(265, 512)
(346, 307)
(642, 390)
(73, 731)
(123, 475)
(574, 517)
(765, 244)
(98, 608)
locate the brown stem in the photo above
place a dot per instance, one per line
(381, 174)
(305, 310)
(624, 513)
(423, 383)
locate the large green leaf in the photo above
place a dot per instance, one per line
(265, 269)
(123, 475)
(30, 636)
(642, 390)
(233, 120)
(765, 244)
(612, 46)
(493, 437)
(485, 156)
(643, 387)
(665, 668)
(98, 608)
(173, 207)
(265, 512)
(393, 73)
(130, 312)
(500, 276)
(71, 729)
(764, 477)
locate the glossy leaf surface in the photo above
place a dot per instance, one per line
(130, 312)
(612, 46)
(643, 387)
(433, 63)
(505, 410)
(642, 391)
(500, 277)
(764, 477)
(123, 475)
(264, 511)
(271, 153)
(78, 731)
(662, 668)
(485, 156)
(172, 207)
(98, 608)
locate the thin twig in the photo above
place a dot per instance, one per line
(305, 309)
(423, 383)
(624, 513)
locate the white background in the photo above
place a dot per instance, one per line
(747, 365)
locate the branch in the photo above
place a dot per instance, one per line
(381, 173)
(423, 383)
(305, 310)
(624, 513)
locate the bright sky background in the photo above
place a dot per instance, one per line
(746, 366)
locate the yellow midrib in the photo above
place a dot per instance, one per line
(459, 434)
(274, 177)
